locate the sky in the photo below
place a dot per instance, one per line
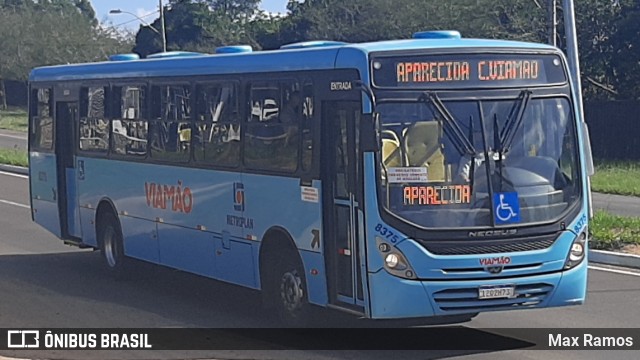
(147, 9)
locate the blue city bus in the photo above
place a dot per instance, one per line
(435, 176)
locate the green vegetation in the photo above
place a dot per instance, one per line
(621, 177)
(13, 119)
(608, 231)
(14, 157)
(612, 232)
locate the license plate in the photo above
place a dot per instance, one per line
(497, 292)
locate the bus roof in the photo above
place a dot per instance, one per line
(294, 59)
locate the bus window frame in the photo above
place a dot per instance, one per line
(316, 80)
(34, 115)
(107, 117)
(114, 109)
(203, 83)
(162, 82)
(278, 81)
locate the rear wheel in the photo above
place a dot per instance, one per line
(287, 289)
(111, 244)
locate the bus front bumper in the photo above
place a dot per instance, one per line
(393, 297)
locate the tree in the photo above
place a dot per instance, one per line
(624, 47)
(47, 33)
(200, 26)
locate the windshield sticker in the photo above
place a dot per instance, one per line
(400, 175)
(437, 195)
(507, 207)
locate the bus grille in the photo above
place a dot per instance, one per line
(466, 299)
(471, 247)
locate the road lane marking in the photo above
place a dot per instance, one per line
(14, 136)
(623, 272)
(15, 175)
(14, 204)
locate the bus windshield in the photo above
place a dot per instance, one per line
(478, 163)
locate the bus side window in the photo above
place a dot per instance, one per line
(171, 123)
(94, 128)
(272, 137)
(129, 131)
(216, 139)
(42, 122)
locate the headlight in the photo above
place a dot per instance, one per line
(577, 251)
(394, 261)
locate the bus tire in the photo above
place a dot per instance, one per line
(111, 245)
(288, 288)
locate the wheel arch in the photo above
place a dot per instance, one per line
(276, 239)
(105, 206)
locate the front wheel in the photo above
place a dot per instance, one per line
(111, 245)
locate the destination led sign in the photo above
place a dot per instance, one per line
(468, 71)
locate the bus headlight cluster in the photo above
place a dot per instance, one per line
(394, 261)
(577, 251)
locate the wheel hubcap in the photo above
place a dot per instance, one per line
(291, 291)
(110, 247)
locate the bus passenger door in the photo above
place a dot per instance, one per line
(66, 130)
(341, 226)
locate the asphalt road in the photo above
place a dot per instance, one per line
(47, 284)
(617, 204)
(13, 140)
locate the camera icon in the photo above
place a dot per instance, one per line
(23, 339)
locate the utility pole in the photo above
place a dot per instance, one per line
(572, 46)
(552, 15)
(163, 30)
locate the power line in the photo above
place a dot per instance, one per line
(133, 20)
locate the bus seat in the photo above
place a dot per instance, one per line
(423, 147)
(392, 154)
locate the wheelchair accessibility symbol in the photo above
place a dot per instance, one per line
(507, 208)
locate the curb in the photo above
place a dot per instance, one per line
(14, 169)
(614, 258)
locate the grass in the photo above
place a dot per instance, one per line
(14, 119)
(613, 232)
(14, 157)
(608, 231)
(617, 177)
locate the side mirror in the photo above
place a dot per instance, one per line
(370, 132)
(586, 148)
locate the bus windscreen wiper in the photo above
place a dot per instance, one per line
(461, 142)
(514, 121)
